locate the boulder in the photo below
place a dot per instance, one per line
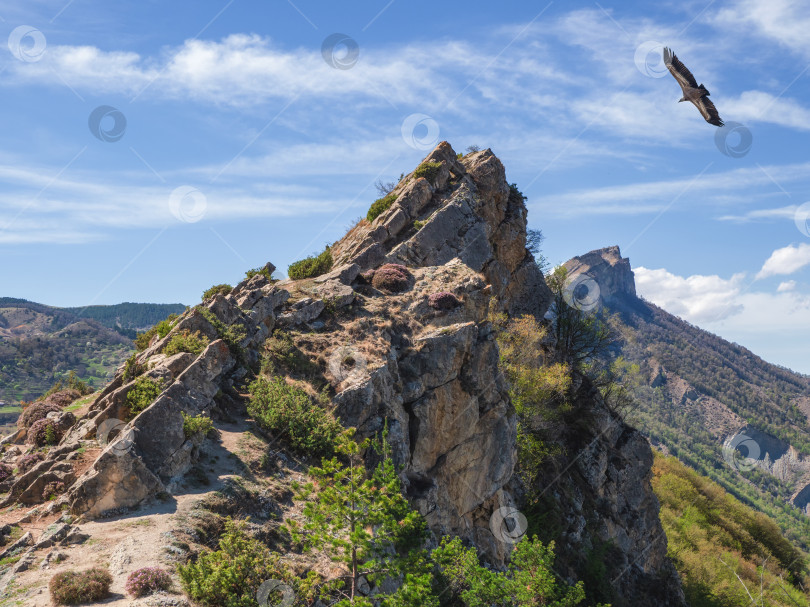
(345, 274)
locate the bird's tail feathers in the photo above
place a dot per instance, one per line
(705, 90)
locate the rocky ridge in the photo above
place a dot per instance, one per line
(388, 358)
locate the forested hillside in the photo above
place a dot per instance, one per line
(710, 403)
(41, 344)
(128, 318)
(727, 553)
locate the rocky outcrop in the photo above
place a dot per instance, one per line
(389, 358)
(609, 269)
(467, 211)
(601, 498)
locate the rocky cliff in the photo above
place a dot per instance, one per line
(421, 358)
(711, 402)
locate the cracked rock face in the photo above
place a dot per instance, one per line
(469, 213)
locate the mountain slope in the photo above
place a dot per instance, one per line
(39, 343)
(725, 551)
(709, 402)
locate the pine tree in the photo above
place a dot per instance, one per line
(528, 581)
(364, 523)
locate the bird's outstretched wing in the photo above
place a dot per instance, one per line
(678, 69)
(709, 112)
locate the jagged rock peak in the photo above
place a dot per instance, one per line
(608, 268)
(463, 209)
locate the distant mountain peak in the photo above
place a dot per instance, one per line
(608, 268)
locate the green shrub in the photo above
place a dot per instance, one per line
(185, 341)
(380, 206)
(132, 369)
(44, 432)
(264, 271)
(162, 329)
(222, 289)
(231, 575)
(515, 194)
(288, 411)
(311, 266)
(142, 394)
(76, 587)
(419, 224)
(428, 170)
(198, 423)
(72, 382)
(530, 578)
(230, 334)
(282, 356)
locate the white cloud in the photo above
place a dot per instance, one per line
(758, 106)
(775, 326)
(783, 21)
(244, 70)
(772, 325)
(695, 298)
(786, 260)
(788, 285)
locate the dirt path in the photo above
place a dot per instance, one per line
(137, 539)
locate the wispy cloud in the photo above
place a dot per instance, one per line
(785, 22)
(645, 197)
(787, 212)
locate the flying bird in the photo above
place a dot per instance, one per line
(691, 91)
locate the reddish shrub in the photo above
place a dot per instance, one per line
(34, 413)
(26, 462)
(75, 587)
(63, 398)
(148, 580)
(391, 277)
(5, 472)
(44, 432)
(443, 300)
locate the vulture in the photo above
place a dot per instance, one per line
(693, 92)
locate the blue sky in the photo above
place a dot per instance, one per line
(231, 137)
